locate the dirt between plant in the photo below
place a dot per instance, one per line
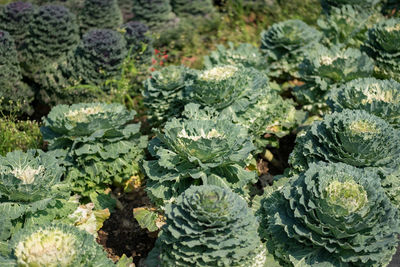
(121, 233)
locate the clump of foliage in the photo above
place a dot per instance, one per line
(382, 46)
(102, 147)
(53, 32)
(99, 14)
(285, 44)
(354, 137)
(331, 215)
(197, 150)
(29, 182)
(362, 5)
(55, 245)
(193, 7)
(82, 76)
(245, 54)
(15, 134)
(164, 93)
(346, 26)
(139, 41)
(208, 226)
(325, 68)
(12, 90)
(224, 87)
(15, 18)
(154, 13)
(378, 97)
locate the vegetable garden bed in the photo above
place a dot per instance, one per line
(130, 136)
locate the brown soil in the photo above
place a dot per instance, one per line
(121, 233)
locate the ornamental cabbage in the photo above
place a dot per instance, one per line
(346, 26)
(357, 138)
(285, 43)
(15, 18)
(245, 54)
(198, 150)
(325, 68)
(193, 7)
(382, 46)
(56, 245)
(11, 86)
(102, 148)
(378, 97)
(153, 13)
(208, 226)
(223, 87)
(331, 215)
(139, 42)
(81, 77)
(164, 93)
(99, 14)
(53, 32)
(29, 182)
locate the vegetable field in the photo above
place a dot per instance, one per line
(177, 133)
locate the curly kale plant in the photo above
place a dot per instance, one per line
(357, 138)
(382, 46)
(29, 183)
(346, 26)
(12, 90)
(139, 42)
(208, 226)
(198, 151)
(224, 87)
(102, 147)
(98, 57)
(53, 32)
(285, 43)
(326, 68)
(15, 18)
(193, 7)
(244, 54)
(164, 92)
(378, 97)
(55, 245)
(331, 215)
(154, 13)
(99, 14)
(362, 5)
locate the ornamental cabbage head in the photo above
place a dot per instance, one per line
(139, 42)
(346, 26)
(331, 215)
(15, 18)
(29, 182)
(208, 226)
(164, 92)
(197, 151)
(224, 87)
(244, 54)
(56, 245)
(12, 89)
(99, 14)
(378, 97)
(193, 7)
(99, 56)
(153, 13)
(101, 146)
(285, 43)
(53, 33)
(325, 68)
(382, 46)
